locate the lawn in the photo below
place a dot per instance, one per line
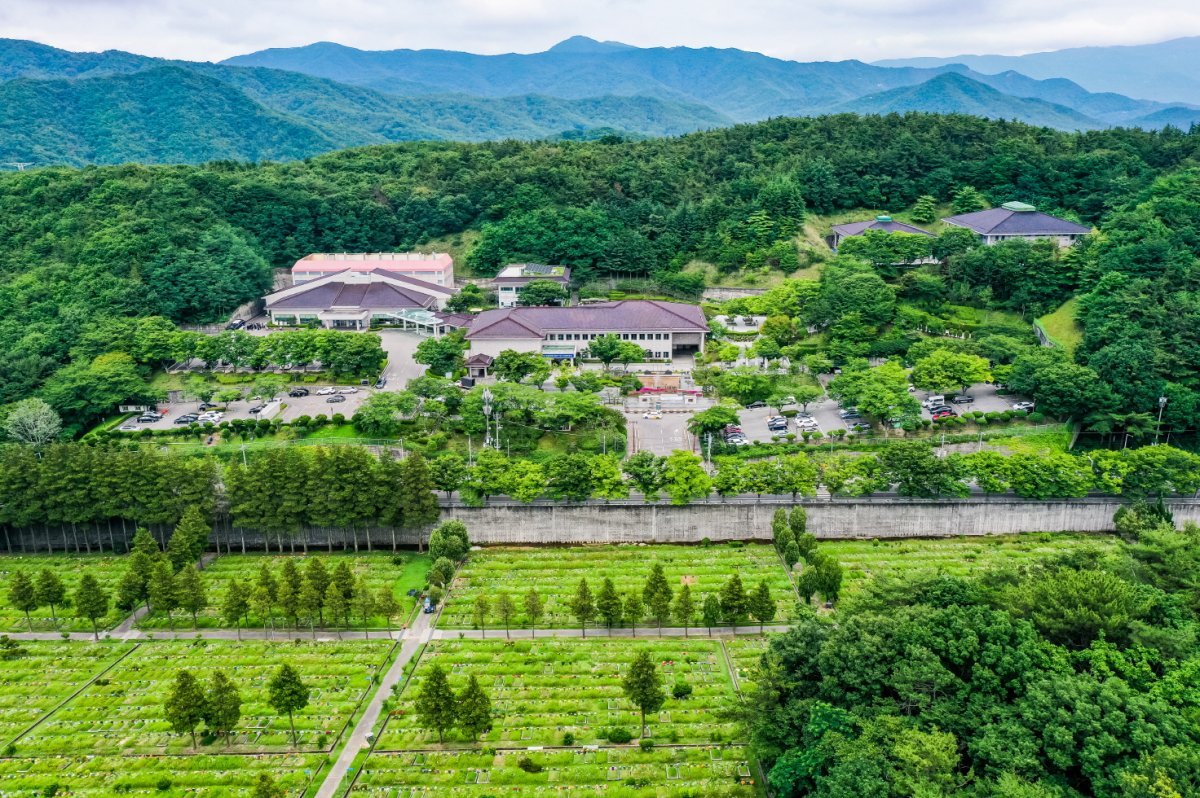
(205, 775)
(69, 568)
(744, 654)
(122, 713)
(664, 772)
(543, 689)
(864, 559)
(555, 574)
(1062, 328)
(401, 571)
(45, 674)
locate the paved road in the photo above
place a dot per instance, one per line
(601, 632)
(420, 633)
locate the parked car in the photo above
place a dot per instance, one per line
(381, 383)
(129, 426)
(428, 606)
(297, 392)
(236, 324)
(188, 419)
(652, 414)
(254, 411)
(808, 424)
(860, 427)
(934, 401)
(756, 405)
(351, 389)
(207, 406)
(335, 399)
(939, 408)
(147, 419)
(1026, 406)
(850, 412)
(326, 391)
(962, 399)
(945, 413)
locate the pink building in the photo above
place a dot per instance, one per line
(436, 268)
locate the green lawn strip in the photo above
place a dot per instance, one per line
(555, 573)
(624, 772)
(210, 775)
(122, 713)
(47, 676)
(542, 689)
(1061, 327)
(744, 654)
(401, 571)
(69, 568)
(962, 556)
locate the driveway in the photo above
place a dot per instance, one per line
(400, 346)
(659, 435)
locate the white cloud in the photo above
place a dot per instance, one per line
(804, 30)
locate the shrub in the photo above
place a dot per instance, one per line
(51, 790)
(1036, 417)
(681, 690)
(705, 542)
(646, 744)
(617, 735)
(339, 419)
(529, 766)
(568, 738)
(163, 784)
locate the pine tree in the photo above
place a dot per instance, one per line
(50, 592)
(685, 608)
(337, 605)
(657, 594)
(418, 502)
(791, 554)
(288, 693)
(91, 602)
(733, 601)
(798, 521)
(643, 686)
(807, 584)
(474, 710)
(806, 544)
(188, 539)
(262, 607)
(534, 609)
(608, 604)
(634, 610)
(318, 578)
(133, 589)
(479, 613)
(761, 605)
(235, 604)
(185, 705)
(435, 703)
(343, 579)
(364, 603)
(222, 706)
(290, 585)
(386, 605)
(144, 543)
(310, 603)
(163, 594)
(779, 523)
(582, 605)
(22, 595)
(968, 199)
(829, 578)
(192, 598)
(711, 611)
(266, 787)
(925, 211)
(505, 610)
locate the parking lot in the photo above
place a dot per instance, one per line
(287, 408)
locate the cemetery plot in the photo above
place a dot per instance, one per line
(542, 690)
(122, 713)
(400, 572)
(39, 675)
(205, 775)
(744, 654)
(555, 574)
(69, 568)
(865, 559)
(663, 772)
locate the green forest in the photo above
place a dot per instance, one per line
(85, 246)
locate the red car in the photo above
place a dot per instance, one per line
(943, 414)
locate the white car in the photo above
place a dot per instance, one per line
(1026, 406)
(653, 414)
(326, 391)
(129, 426)
(215, 418)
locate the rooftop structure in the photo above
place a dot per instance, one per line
(355, 300)
(1014, 220)
(435, 267)
(514, 277)
(882, 223)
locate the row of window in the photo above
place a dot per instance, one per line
(622, 336)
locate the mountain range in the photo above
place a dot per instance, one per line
(79, 108)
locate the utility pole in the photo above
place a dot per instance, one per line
(1162, 404)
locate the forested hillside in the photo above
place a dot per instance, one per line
(191, 243)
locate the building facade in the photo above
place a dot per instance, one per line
(1017, 220)
(662, 329)
(513, 278)
(436, 268)
(356, 300)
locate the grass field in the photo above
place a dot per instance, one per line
(744, 654)
(1061, 327)
(402, 572)
(69, 568)
(122, 713)
(664, 772)
(542, 689)
(555, 573)
(864, 559)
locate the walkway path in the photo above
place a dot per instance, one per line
(600, 633)
(420, 634)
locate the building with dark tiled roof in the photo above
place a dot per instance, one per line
(356, 300)
(662, 329)
(882, 223)
(1017, 220)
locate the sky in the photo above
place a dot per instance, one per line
(803, 30)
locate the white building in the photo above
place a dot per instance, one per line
(513, 278)
(1017, 220)
(662, 329)
(436, 268)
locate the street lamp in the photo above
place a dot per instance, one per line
(487, 417)
(1162, 404)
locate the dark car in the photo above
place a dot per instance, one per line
(236, 324)
(256, 409)
(208, 405)
(756, 405)
(335, 399)
(962, 399)
(298, 392)
(382, 382)
(940, 409)
(188, 419)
